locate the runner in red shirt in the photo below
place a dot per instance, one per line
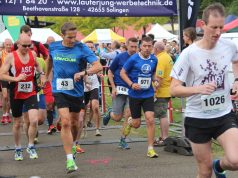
(22, 65)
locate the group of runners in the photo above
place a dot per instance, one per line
(200, 74)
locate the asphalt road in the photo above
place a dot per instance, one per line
(102, 158)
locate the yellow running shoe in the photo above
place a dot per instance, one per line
(127, 128)
(152, 154)
(79, 149)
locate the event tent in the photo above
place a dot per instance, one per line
(103, 36)
(231, 26)
(38, 34)
(160, 33)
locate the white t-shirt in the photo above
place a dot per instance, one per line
(197, 66)
(91, 81)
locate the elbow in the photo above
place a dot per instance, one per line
(100, 68)
(173, 92)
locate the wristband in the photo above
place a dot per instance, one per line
(85, 72)
(42, 73)
(131, 84)
(236, 79)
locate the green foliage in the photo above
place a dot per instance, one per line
(87, 24)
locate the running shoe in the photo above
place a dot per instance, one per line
(4, 120)
(79, 149)
(98, 133)
(71, 166)
(32, 152)
(89, 124)
(107, 116)
(74, 152)
(152, 154)
(218, 174)
(8, 119)
(159, 142)
(51, 129)
(123, 144)
(127, 128)
(18, 155)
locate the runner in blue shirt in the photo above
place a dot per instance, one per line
(67, 58)
(139, 72)
(120, 100)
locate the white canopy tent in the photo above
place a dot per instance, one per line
(38, 34)
(160, 33)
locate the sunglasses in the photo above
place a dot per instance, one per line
(26, 46)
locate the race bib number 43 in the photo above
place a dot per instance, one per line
(64, 84)
(144, 82)
(214, 102)
(25, 87)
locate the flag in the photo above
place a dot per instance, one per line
(13, 25)
(188, 12)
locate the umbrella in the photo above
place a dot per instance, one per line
(103, 36)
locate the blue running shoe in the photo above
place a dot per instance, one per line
(218, 174)
(107, 117)
(32, 152)
(123, 144)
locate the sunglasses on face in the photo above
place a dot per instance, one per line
(26, 45)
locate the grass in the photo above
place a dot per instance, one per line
(177, 118)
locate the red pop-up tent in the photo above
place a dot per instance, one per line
(231, 25)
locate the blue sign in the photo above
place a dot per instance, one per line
(90, 8)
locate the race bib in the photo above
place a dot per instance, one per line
(25, 87)
(64, 84)
(144, 82)
(214, 102)
(122, 90)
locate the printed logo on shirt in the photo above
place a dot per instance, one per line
(180, 72)
(146, 68)
(65, 57)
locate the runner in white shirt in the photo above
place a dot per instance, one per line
(204, 68)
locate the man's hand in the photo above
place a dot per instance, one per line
(21, 77)
(207, 89)
(235, 89)
(114, 93)
(43, 80)
(135, 86)
(78, 76)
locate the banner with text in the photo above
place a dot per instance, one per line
(93, 8)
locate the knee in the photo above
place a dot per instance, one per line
(95, 109)
(17, 125)
(34, 122)
(65, 123)
(150, 121)
(116, 118)
(136, 124)
(41, 121)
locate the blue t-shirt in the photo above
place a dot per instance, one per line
(66, 62)
(141, 71)
(116, 67)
